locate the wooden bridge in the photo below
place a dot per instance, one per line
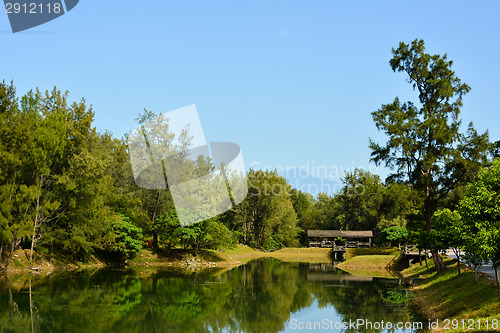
(411, 253)
(328, 238)
(340, 240)
(412, 250)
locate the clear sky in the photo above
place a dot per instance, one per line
(292, 82)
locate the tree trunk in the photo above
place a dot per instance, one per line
(35, 223)
(153, 221)
(51, 250)
(256, 233)
(420, 257)
(12, 247)
(245, 226)
(1, 252)
(438, 261)
(458, 258)
(496, 278)
(155, 240)
(425, 257)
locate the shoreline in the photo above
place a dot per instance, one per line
(442, 295)
(230, 258)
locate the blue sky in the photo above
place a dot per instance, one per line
(292, 82)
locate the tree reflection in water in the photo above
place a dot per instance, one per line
(261, 296)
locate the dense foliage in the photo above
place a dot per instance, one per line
(480, 211)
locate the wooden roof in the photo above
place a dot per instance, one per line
(340, 233)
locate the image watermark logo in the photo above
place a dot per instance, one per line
(26, 14)
(170, 151)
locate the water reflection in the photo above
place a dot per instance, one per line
(265, 295)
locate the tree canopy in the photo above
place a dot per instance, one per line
(480, 211)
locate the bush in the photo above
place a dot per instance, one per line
(394, 234)
(128, 237)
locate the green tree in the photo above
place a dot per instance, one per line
(480, 211)
(307, 214)
(274, 219)
(425, 147)
(398, 205)
(395, 234)
(496, 149)
(268, 211)
(448, 231)
(327, 211)
(155, 201)
(128, 237)
(54, 185)
(360, 200)
(14, 194)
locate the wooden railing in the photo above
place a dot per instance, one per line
(410, 248)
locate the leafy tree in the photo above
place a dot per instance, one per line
(273, 218)
(496, 149)
(327, 212)
(14, 194)
(425, 147)
(398, 205)
(266, 218)
(55, 188)
(421, 238)
(128, 237)
(168, 229)
(475, 260)
(480, 211)
(307, 214)
(448, 232)
(155, 201)
(395, 234)
(360, 200)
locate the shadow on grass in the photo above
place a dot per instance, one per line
(460, 295)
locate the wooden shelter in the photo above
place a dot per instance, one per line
(353, 238)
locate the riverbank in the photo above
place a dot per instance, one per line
(458, 298)
(42, 262)
(369, 261)
(239, 255)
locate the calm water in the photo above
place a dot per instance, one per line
(265, 295)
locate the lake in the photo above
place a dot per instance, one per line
(265, 295)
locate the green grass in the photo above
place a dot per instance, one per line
(452, 296)
(174, 256)
(369, 261)
(231, 257)
(245, 254)
(386, 251)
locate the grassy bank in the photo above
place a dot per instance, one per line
(241, 254)
(43, 262)
(369, 262)
(447, 295)
(440, 296)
